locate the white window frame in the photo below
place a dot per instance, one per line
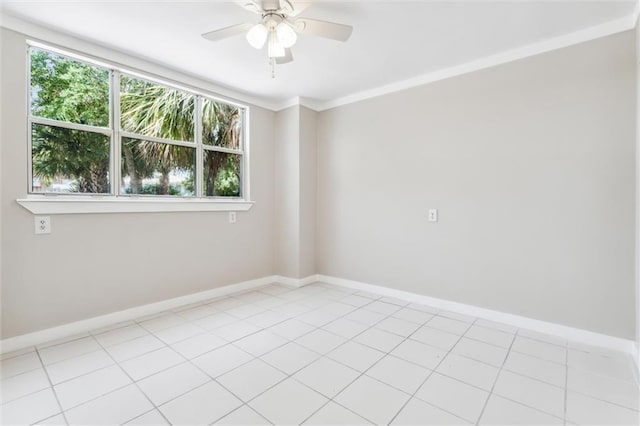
(114, 202)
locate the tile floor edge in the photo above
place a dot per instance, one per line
(578, 335)
(570, 333)
(83, 326)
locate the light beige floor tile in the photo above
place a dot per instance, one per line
(373, 400)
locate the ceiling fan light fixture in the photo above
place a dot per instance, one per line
(286, 35)
(257, 36)
(276, 49)
(279, 28)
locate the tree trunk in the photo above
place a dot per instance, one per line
(164, 182)
(136, 182)
(214, 161)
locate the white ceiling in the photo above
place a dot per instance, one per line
(392, 40)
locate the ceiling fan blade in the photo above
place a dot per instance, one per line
(297, 6)
(222, 33)
(250, 5)
(288, 57)
(325, 29)
(285, 7)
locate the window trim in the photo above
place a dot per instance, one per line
(61, 203)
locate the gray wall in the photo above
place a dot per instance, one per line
(308, 186)
(97, 264)
(637, 233)
(295, 192)
(531, 165)
(287, 192)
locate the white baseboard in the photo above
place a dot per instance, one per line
(570, 333)
(636, 360)
(42, 336)
(296, 282)
(83, 326)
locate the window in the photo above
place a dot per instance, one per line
(96, 129)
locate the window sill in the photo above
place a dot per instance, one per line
(58, 204)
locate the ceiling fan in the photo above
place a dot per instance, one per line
(279, 28)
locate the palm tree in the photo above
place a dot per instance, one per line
(70, 91)
(149, 109)
(65, 153)
(222, 127)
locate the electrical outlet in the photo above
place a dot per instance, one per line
(232, 217)
(433, 215)
(43, 224)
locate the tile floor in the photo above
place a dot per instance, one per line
(316, 355)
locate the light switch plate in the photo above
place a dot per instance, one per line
(433, 215)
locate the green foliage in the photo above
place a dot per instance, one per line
(150, 109)
(154, 189)
(63, 152)
(227, 182)
(67, 90)
(221, 124)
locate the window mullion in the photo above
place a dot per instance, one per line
(116, 139)
(244, 168)
(199, 178)
(71, 126)
(30, 124)
(156, 139)
(90, 179)
(222, 149)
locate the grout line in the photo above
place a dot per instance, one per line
(362, 373)
(53, 386)
(55, 394)
(566, 382)
(144, 414)
(315, 328)
(405, 338)
(131, 378)
(286, 317)
(604, 400)
(495, 381)
(17, 353)
(287, 376)
(238, 408)
(510, 399)
(433, 370)
(61, 341)
(214, 379)
(329, 301)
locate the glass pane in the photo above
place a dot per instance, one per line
(69, 161)
(68, 90)
(222, 174)
(150, 109)
(151, 168)
(221, 124)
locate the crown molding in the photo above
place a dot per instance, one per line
(581, 36)
(299, 101)
(129, 60)
(71, 42)
(288, 103)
